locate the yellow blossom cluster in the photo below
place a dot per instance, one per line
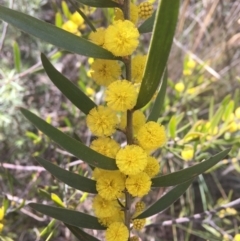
(74, 24)
(135, 165)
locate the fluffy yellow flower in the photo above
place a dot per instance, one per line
(121, 95)
(138, 185)
(179, 87)
(106, 146)
(107, 221)
(98, 36)
(117, 231)
(232, 127)
(138, 120)
(121, 38)
(133, 13)
(102, 121)
(111, 185)
(237, 237)
(187, 153)
(77, 19)
(131, 160)
(104, 72)
(139, 224)
(151, 136)
(138, 66)
(104, 208)
(145, 10)
(153, 167)
(139, 207)
(71, 27)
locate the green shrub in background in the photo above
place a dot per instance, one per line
(120, 173)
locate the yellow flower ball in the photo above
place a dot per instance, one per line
(98, 36)
(77, 19)
(131, 159)
(104, 72)
(121, 38)
(71, 27)
(138, 185)
(237, 113)
(140, 206)
(187, 153)
(121, 95)
(106, 146)
(145, 10)
(107, 221)
(104, 208)
(133, 13)
(138, 120)
(179, 87)
(138, 66)
(153, 167)
(139, 224)
(237, 237)
(232, 127)
(151, 136)
(102, 121)
(111, 185)
(117, 231)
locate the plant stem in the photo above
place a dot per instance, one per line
(129, 129)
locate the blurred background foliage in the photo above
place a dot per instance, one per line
(201, 112)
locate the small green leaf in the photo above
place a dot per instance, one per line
(166, 200)
(71, 145)
(100, 3)
(17, 57)
(53, 34)
(58, 20)
(161, 42)
(57, 200)
(65, 10)
(188, 173)
(147, 25)
(71, 91)
(158, 104)
(74, 218)
(80, 234)
(172, 126)
(72, 179)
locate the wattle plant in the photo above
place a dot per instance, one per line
(121, 171)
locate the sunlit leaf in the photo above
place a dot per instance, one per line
(161, 42)
(186, 174)
(71, 91)
(74, 218)
(166, 200)
(73, 146)
(72, 179)
(53, 34)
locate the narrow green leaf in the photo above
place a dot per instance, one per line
(58, 20)
(161, 42)
(100, 3)
(74, 218)
(53, 34)
(147, 25)
(166, 200)
(17, 57)
(172, 126)
(71, 145)
(65, 10)
(80, 234)
(188, 173)
(72, 179)
(158, 104)
(71, 91)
